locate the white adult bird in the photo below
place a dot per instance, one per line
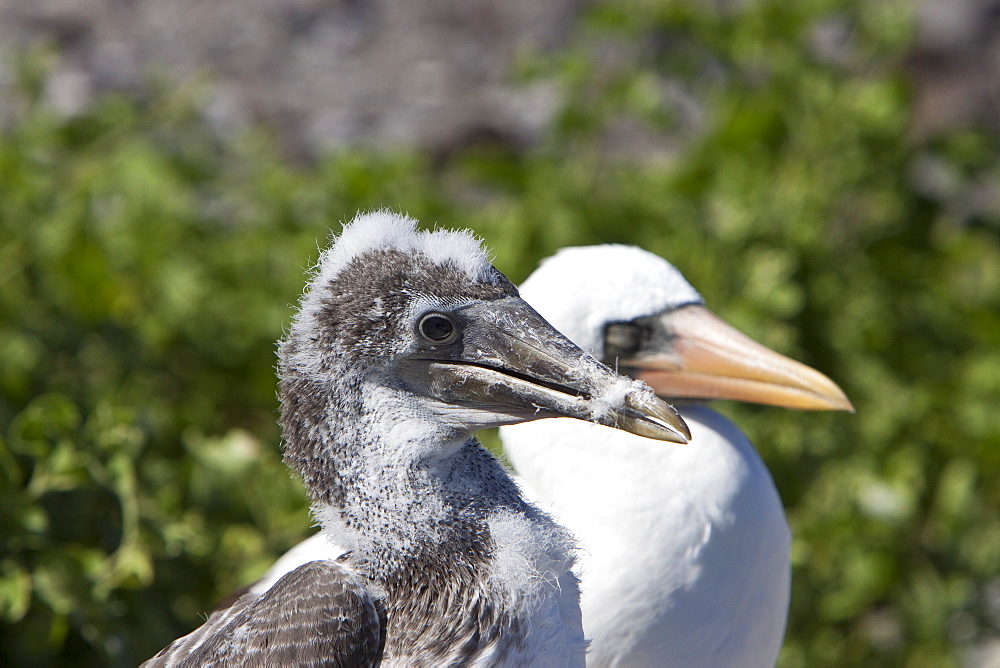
(686, 548)
(405, 343)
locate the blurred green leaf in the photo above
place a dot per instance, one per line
(148, 266)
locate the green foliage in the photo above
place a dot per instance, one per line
(147, 267)
(147, 273)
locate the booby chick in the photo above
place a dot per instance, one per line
(685, 550)
(405, 343)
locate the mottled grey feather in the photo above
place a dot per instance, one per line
(320, 614)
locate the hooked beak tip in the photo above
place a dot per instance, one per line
(645, 414)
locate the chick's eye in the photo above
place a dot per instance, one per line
(437, 328)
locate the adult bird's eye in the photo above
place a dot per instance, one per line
(437, 328)
(622, 340)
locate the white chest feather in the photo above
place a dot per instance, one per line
(532, 567)
(685, 547)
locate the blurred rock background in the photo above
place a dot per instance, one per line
(323, 74)
(826, 172)
(433, 75)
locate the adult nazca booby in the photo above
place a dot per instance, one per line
(685, 558)
(405, 342)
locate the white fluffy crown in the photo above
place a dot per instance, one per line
(384, 229)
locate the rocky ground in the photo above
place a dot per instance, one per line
(432, 75)
(323, 73)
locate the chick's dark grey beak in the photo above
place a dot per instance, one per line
(512, 366)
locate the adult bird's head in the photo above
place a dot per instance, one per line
(635, 311)
(420, 331)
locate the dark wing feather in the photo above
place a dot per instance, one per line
(320, 614)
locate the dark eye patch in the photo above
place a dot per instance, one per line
(623, 340)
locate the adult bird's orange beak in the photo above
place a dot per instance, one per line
(710, 359)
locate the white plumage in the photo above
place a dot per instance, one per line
(684, 551)
(686, 547)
